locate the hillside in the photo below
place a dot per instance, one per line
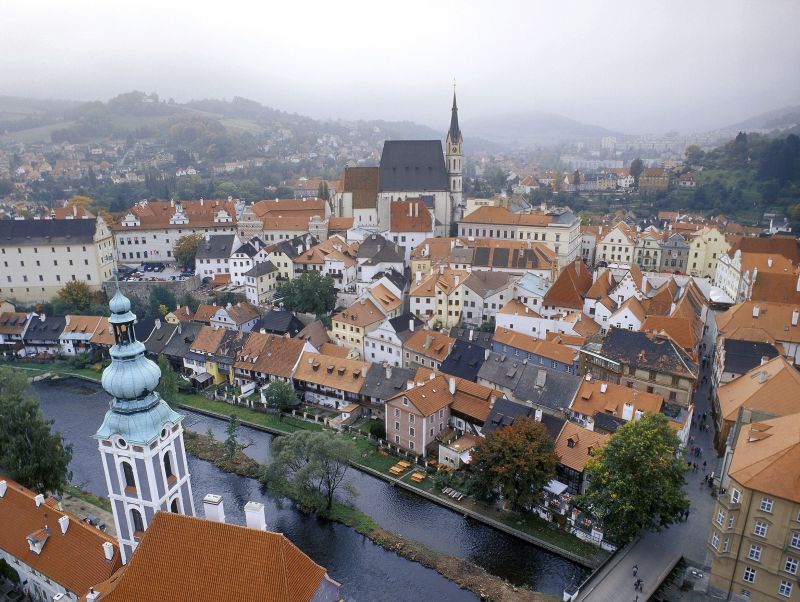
(532, 128)
(777, 119)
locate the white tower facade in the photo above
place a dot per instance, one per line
(141, 438)
(455, 164)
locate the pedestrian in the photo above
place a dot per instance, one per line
(704, 465)
(635, 569)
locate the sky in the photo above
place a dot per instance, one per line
(631, 66)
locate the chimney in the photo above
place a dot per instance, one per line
(254, 515)
(457, 279)
(39, 499)
(603, 387)
(409, 384)
(452, 385)
(388, 367)
(441, 268)
(411, 322)
(214, 508)
(411, 210)
(627, 411)
(589, 377)
(92, 595)
(108, 551)
(66, 320)
(486, 353)
(3, 487)
(362, 301)
(364, 372)
(158, 324)
(795, 316)
(428, 341)
(208, 237)
(63, 522)
(769, 262)
(797, 288)
(762, 376)
(428, 247)
(42, 317)
(756, 311)
(537, 415)
(419, 277)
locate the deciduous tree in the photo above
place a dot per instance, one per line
(516, 462)
(309, 467)
(168, 385)
(185, 249)
(280, 395)
(309, 293)
(636, 480)
(76, 295)
(636, 169)
(29, 452)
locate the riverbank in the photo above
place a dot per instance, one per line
(526, 527)
(462, 572)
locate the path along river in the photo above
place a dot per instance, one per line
(367, 571)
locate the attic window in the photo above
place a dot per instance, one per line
(571, 442)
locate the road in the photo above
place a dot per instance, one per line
(656, 553)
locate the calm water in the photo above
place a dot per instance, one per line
(364, 568)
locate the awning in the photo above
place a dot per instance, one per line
(556, 487)
(202, 377)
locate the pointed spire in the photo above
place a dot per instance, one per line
(454, 134)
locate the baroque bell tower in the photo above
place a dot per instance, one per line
(141, 438)
(454, 159)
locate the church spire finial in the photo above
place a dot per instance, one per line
(454, 133)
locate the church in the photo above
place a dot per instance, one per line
(409, 169)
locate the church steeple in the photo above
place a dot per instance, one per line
(141, 438)
(454, 134)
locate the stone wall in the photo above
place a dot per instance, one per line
(141, 290)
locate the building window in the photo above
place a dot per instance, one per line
(397, 439)
(785, 588)
(791, 565)
(755, 552)
(714, 540)
(725, 543)
(411, 445)
(761, 528)
(411, 431)
(411, 418)
(396, 426)
(720, 518)
(174, 507)
(749, 574)
(730, 523)
(138, 524)
(127, 473)
(795, 540)
(735, 493)
(168, 468)
(766, 504)
(397, 412)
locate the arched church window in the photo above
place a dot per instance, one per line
(127, 472)
(168, 467)
(173, 507)
(137, 523)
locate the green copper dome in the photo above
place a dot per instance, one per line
(137, 413)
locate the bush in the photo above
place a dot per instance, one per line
(377, 429)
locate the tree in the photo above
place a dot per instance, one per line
(322, 190)
(185, 249)
(636, 480)
(309, 467)
(231, 441)
(576, 177)
(693, 154)
(636, 169)
(516, 462)
(29, 452)
(487, 325)
(168, 385)
(160, 295)
(309, 293)
(76, 295)
(280, 395)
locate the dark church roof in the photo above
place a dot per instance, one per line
(52, 231)
(413, 166)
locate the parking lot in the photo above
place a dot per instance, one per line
(144, 272)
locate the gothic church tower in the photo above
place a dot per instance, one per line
(455, 164)
(141, 438)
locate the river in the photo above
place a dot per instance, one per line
(367, 571)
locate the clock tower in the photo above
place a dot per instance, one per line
(455, 164)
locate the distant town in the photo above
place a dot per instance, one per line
(588, 349)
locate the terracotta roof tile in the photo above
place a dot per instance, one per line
(201, 214)
(591, 398)
(363, 312)
(570, 287)
(246, 564)
(549, 349)
(430, 343)
(410, 215)
(335, 372)
(773, 387)
(573, 444)
(74, 560)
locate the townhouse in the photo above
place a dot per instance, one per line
(522, 347)
(734, 357)
(78, 330)
(774, 323)
(276, 220)
(41, 338)
(647, 249)
(643, 361)
(520, 318)
(754, 541)
(351, 325)
(558, 229)
(574, 445)
(242, 317)
(436, 298)
(426, 348)
(245, 257)
(214, 253)
(568, 292)
(12, 331)
(531, 289)
(617, 245)
(261, 283)
(705, 248)
(411, 223)
(38, 257)
(357, 196)
(264, 358)
(330, 381)
(603, 406)
(283, 255)
(377, 255)
(674, 253)
(332, 257)
(483, 293)
(150, 229)
(737, 271)
(771, 388)
(384, 344)
(417, 417)
(383, 381)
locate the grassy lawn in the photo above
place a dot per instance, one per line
(87, 497)
(54, 368)
(426, 485)
(286, 424)
(372, 459)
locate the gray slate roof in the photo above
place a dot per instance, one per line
(648, 352)
(180, 342)
(486, 283)
(265, 267)
(530, 382)
(413, 165)
(216, 247)
(159, 338)
(377, 385)
(315, 333)
(377, 249)
(477, 337)
(48, 329)
(401, 324)
(743, 356)
(47, 231)
(505, 412)
(465, 360)
(289, 247)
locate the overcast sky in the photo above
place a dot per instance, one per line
(634, 66)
